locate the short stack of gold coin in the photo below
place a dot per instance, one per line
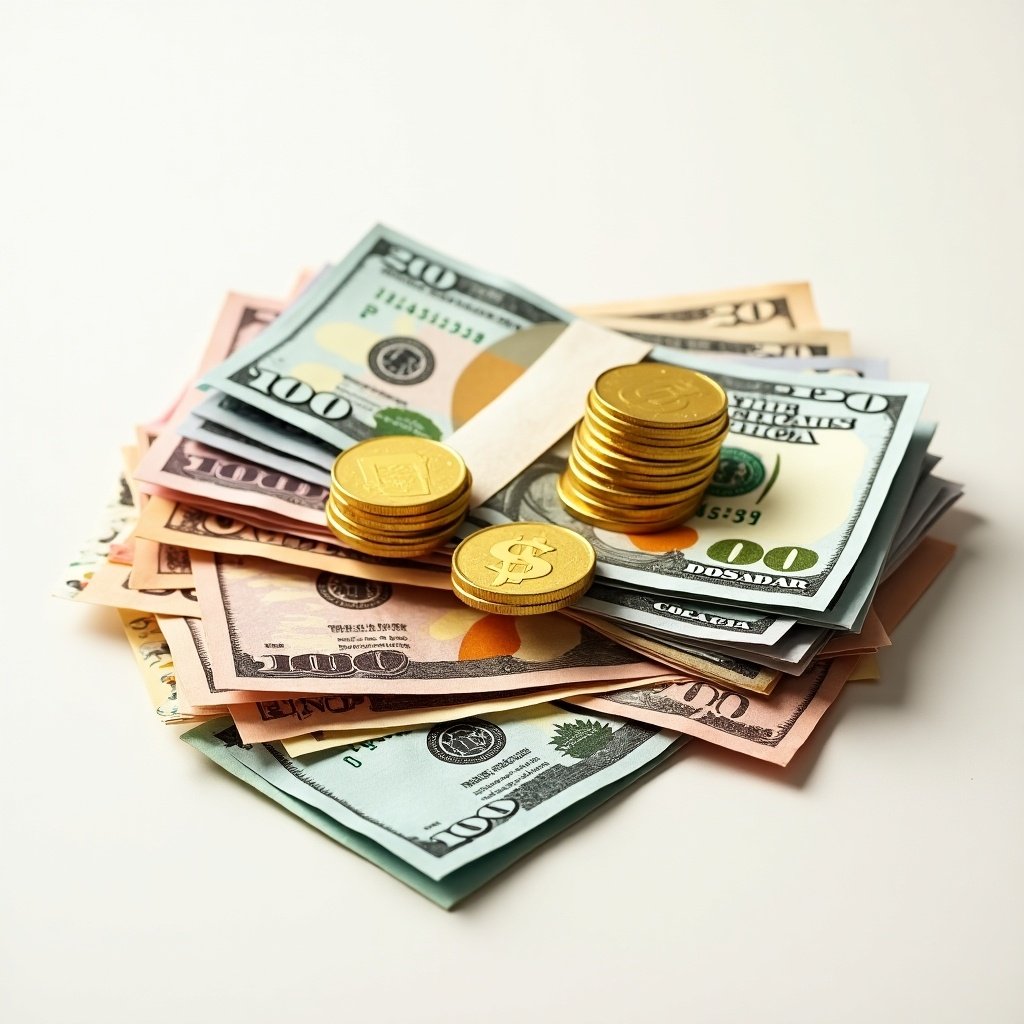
(397, 497)
(522, 568)
(646, 448)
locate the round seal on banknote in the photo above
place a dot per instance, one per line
(346, 592)
(468, 741)
(739, 472)
(401, 360)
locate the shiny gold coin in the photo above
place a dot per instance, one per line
(349, 539)
(614, 457)
(654, 435)
(583, 465)
(523, 562)
(399, 475)
(622, 493)
(586, 514)
(654, 453)
(390, 536)
(567, 487)
(403, 524)
(653, 393)
(497, 608)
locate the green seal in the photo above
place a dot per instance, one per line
(581, 739)
(405, 421)
(739, 472)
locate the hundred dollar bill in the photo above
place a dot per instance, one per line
(802, 479)
(194, 528)
(397, 338)
(761, 342)
(215, 435)
(767, 307)
(300, 630)
(468, 787)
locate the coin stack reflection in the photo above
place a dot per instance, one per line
(646, 448)
(397, 497)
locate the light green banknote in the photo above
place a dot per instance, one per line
(476, 794)
(395, 339)
(803, 476)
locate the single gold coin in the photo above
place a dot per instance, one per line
(653, 393)
(523, 562)
(496, 608)
(584, 514)
(399, 475)
(653, 435)
(402, 524)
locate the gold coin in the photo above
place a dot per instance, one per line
(586, 515)
(654, 435)
(680, 452)
(582, 465)
(399, 475)
(658, 476)
(496, 608)
(402, 524)
(523, 563)
(614, 457)
(652, 393)
(390, 549)
(655, 513)
(621, 493)
(390, 536)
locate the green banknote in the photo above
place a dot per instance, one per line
(395, 339)
(803, 476)
(477, 794)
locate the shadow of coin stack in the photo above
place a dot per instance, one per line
(646, 448)
(397, 497)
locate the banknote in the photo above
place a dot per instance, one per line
(225, 439)
(292, 629)
(153, 656)
(117, 519)
(715, 666)
(468, 786)
(768, 534)
(159, 566)
(261, 716)
(759, 342)
(108, 586)
(271, 776)
(766, 307)
(326, 739)
(397, 338)
(194, 528)
(842, 366)
(771, 728)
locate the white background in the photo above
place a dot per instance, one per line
(155, 155)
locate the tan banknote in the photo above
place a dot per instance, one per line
(108, 586)
(767, 307)
(296, 630)
(177, 524)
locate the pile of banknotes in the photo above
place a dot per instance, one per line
(443, 741)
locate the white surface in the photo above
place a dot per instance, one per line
(156, 155)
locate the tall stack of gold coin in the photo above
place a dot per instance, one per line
(397, 497)
(646, 448)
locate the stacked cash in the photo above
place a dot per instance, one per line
(441, 739)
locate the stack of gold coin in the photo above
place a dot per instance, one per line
(522, 568)
(397, 497)
(646, 448)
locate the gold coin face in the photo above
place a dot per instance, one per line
(399, 475)
(528, 563)
(646, 434)
(659, 395)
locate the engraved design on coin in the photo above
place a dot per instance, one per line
(468, 741)
(346, 592)
(523, 564)
(396, 475)
(661, 396)
(739, 472)
(401, 360)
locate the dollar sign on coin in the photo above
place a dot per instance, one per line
(516, 566)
